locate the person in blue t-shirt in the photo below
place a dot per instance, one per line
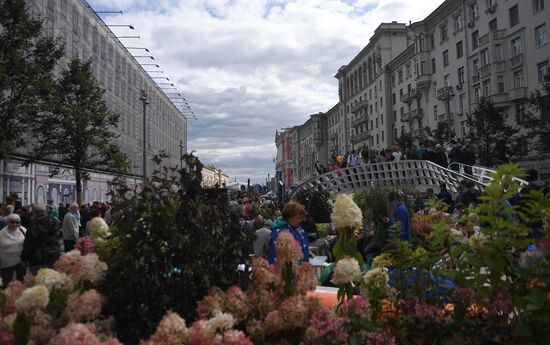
(398, 212)
(292, 216)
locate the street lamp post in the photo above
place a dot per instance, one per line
(181, 154)
(145, 102)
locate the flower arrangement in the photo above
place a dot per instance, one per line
(346, 213)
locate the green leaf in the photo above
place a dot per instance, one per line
(22, 328)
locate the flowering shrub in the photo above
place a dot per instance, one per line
(51, 307)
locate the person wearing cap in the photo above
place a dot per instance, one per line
(440, 157)
(261, 243)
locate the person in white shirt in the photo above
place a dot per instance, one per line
(12, 237)
(71, 227)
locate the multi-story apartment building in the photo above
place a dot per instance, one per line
(363, 90)
(87, 37)
(432, 73)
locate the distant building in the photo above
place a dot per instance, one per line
(87, 37)
(432, 74)
(213, 177)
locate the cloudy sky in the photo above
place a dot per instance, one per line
(249, 67)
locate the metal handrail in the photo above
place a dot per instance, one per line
(481, 173)
(394, 173)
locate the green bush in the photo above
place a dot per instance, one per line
(316, 204)
(171, 243)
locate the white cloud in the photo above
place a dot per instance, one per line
(248, 67)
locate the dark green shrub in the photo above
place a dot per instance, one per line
(316, 204)
(171, 243)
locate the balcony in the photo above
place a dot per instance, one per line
(500, 99)
(492, 36)
(358, 121)
(406, 117)
(358, 138)
(411, 95)
(475, 78)
(442, 118)
(445, 93)
(517, 93)
(360, 105)
(424, 81)
(417, 114)
(485, 71)
(516, 61)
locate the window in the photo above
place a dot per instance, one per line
(444, 33)
(461, 105)
(400, 76)
(491, 3)
(393, 98)
(408, 71)
(433, 65)
(475, 39)
(518, 79)
(421, 42)
(382, 119)
(500, 83)
(485, 60)
(538, 5)
(382, 135)
(516, 46)
(376, 120)
(461, 75)
(475, 64)
(422, 67)
(447, 80)
(493, 25)
(487, 88)
(520, 113)
(459, 50)
(499, 54)
(445, 58)
(543, 70)
(540, 35)
(435, 112)
(514, 15)
(476, 94)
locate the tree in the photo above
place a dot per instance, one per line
(537, 120)
(78, 125)
(26, 64)
(496, 141)
(439, 135)
(405, 140)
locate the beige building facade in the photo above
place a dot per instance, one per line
(432, 73)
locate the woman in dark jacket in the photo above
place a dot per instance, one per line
(41, 248)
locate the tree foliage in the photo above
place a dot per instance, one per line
(78, 127)
(26, 64)
(172, 242)
(438, 135)
(538, 118)
(495, 139)
(316, 204)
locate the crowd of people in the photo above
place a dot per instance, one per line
(450, 155)
(34, 236)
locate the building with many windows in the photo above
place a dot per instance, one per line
(124, 79)
(432, 73)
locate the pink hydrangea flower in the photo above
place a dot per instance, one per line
(85, 307)
(170, 331)
(76, 334)
(85, 245)
(325, 326)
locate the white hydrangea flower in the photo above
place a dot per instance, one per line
(347, 270)
(221, 322)
(53, 279)
(346, 213)
(477, 240)
(36, 297)
(99, 229)
(377, 276)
